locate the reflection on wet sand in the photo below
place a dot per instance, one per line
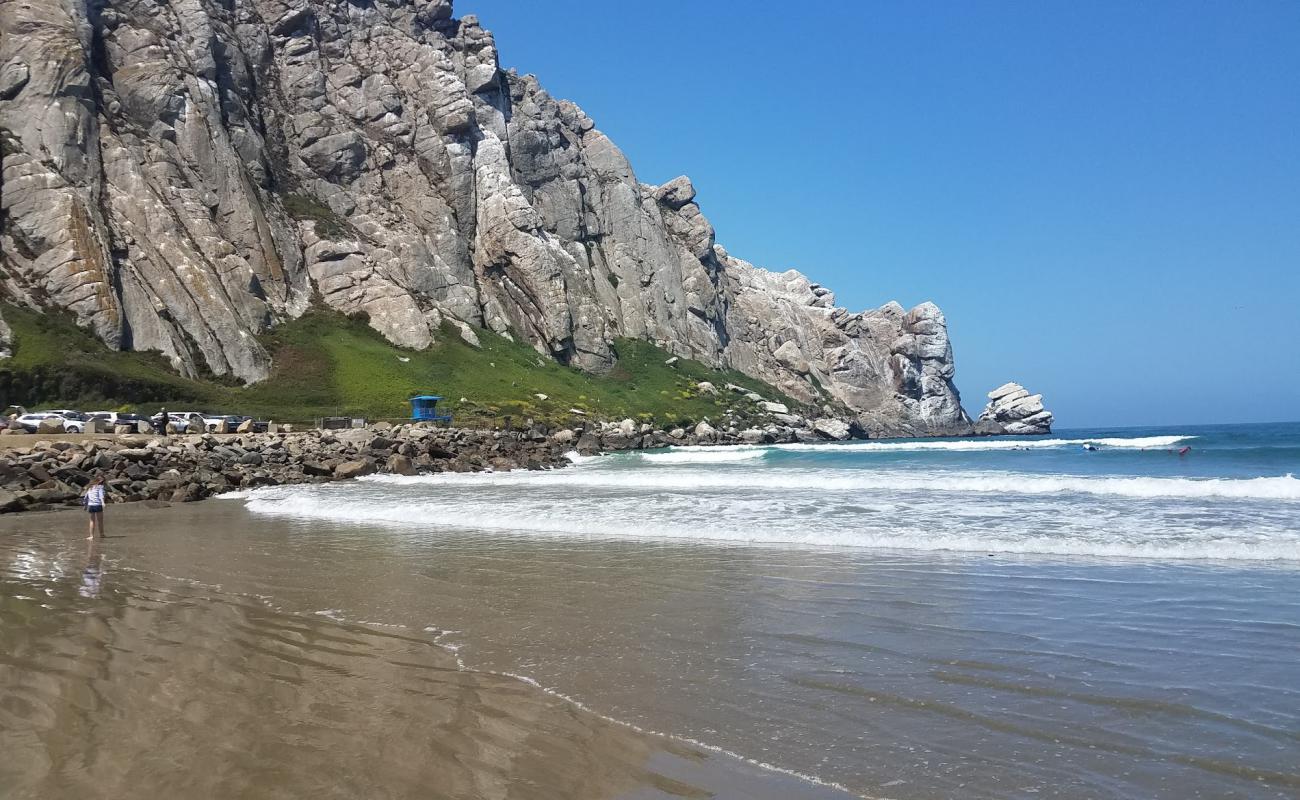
(140, 686)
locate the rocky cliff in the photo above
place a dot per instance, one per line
(181, 176)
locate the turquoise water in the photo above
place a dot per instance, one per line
(981, 618)
(1213, 492)
(1216, 451)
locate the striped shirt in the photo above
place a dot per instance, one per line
(95, 495)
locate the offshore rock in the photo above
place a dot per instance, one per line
(1013, 410)
(183, 177)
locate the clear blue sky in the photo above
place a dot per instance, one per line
(1104, 197)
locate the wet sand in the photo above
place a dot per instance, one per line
(227, 651)
(144, 665)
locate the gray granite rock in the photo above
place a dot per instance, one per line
(199, 175)
(1013, 410)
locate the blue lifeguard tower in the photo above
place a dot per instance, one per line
(424, 408)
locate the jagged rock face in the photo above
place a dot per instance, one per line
(1012, 409)
(182, 176)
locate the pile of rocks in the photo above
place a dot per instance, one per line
(1013, 410)
(48, 474)
(631, 435)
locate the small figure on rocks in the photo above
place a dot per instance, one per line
(161, 427)
(93, 497)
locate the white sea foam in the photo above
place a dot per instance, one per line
(717, 455)
(1284, 488)
(957, 445)
(742, 495)
(737, 524)
(975, 445)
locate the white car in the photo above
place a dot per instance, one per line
(73, 421)
(181, 421)
(115, 418)
(30, 422)
(211, 421)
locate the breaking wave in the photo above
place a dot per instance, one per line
(1284, 488)
(716, 455)
(1139, 443)
(1211, 507)
(736, 525)
(958, 445)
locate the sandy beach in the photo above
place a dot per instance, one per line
(143, 666)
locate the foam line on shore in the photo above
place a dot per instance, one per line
(975, 445)
(957, 445)
(487, 514)
(1282, 488)
(716, 455)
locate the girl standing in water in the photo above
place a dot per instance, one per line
(94, 498)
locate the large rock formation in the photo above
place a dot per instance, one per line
(1012, 409)
(182, 176)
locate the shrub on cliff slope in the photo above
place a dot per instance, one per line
(326, 364)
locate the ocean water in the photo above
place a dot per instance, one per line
(913, 619)
(1202, 493)
(991, 618)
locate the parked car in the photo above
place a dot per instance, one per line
(235, 420)
(73, 421)
(116, 418)
(211, 420)
(179, 420)
(30, 422)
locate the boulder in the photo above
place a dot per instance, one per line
(774, 408)
(244, 427)
(831, 428)
(50, 425)
(400, 465)
(1013, 410)
(792, 358)
(706, 387)
(705, 432)
(676, 193)
(355, 469)
(10, 501)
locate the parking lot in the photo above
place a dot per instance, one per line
(72, 422)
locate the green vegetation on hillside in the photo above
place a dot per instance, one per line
(305, 207)
(326, 364)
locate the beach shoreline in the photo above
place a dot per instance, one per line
(42, 472)
(292, 696)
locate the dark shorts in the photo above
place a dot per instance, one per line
(94, 509)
